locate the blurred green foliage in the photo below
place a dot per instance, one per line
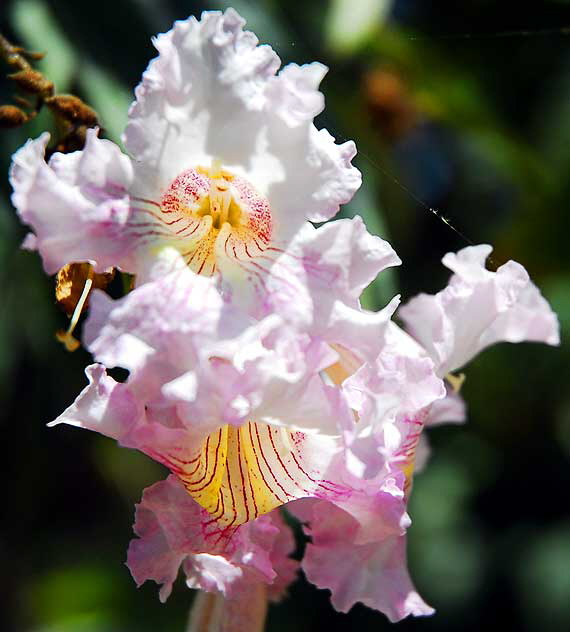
(469, 120)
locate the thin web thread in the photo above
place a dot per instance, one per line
(413, 196)
(507, 34)
(548, 32)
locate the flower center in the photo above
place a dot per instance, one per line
(215, 214)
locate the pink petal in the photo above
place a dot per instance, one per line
(174, 530)
(372, 572)
(317, 281)
(391, 396)
(477, 309)
(104, 406)
(76, 204)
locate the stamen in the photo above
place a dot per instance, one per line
(66, 337)
(222, 212)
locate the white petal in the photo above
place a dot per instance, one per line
(478, 308)
(77, 204)
(213, 94)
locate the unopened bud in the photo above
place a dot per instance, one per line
(11, 116)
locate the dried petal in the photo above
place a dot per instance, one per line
(70, 281)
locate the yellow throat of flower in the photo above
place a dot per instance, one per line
(212, 214)
(240, 473)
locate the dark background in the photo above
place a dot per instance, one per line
(448, 107)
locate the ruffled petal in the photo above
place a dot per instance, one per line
(391, 396)
(77, 204)
(104, 406)
(316, 284)
(212, 94)
(163, 317)
(371, 570)
(340, 255)
(117, 410)
(478, 308)
(173, 531)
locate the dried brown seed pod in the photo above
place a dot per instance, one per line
(33, 82)
(72, 109)
(11, 116)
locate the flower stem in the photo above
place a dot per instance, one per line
(212, 612)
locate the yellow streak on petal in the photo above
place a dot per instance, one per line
(205, 474)
(232, 476)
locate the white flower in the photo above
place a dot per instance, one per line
(225, 165)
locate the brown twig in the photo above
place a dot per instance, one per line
(73, 117)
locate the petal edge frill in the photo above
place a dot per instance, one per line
(77, 204)
(213, 94)
(173, 530)
(371, 570)
(478, 308)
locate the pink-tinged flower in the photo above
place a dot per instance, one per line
(394, 397)
(173, 531)
(248, 415)
(225, 165)
(477, 309)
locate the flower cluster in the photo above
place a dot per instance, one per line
(255, 376)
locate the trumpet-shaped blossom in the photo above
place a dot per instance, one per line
(254, 375)
(225, 165)
(248, 415)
